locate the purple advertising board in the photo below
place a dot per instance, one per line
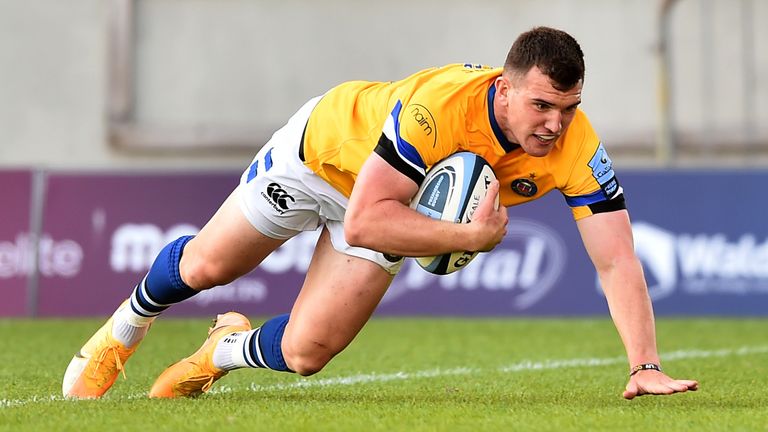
(16, 257)
(703, 239)
(108, 229)
(703, 248)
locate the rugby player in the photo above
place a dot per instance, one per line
(349, 162)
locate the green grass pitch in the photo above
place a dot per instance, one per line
(416, 374)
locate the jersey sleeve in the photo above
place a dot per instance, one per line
(591, 186)
(397, 148)
(420, 132)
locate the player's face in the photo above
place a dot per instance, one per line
(532, 113)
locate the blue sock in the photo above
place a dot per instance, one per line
(262, 346)
(162, 286)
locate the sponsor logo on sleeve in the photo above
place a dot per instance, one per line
(419, 122)
(602, 171)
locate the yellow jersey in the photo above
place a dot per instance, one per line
(418, 121)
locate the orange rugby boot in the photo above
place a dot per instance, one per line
(194, 375)
(94, 368)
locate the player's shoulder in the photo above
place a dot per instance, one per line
(454, 73)
(437, 106)
(469, 71)
(448, 88)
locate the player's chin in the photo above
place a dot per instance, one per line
(537, 148)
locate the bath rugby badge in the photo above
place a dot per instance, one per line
(525, 187)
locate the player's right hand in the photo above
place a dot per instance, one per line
(490, 222)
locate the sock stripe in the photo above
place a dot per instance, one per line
(247, 352)
(256, 347)
(141, 312)
(148, 297)
(136, 304)
(139, 304)
(142, 303)
(137, 307)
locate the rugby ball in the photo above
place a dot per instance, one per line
(451, 191)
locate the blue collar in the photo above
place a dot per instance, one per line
(505, 144)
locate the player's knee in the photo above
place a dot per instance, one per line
(306, 362)
(200, 273)
(306, 365)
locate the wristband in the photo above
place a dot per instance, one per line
(644, 366)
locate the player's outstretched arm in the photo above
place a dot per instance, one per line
(608, 240)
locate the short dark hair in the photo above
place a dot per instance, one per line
(554, 52)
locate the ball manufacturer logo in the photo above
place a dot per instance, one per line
(524, 187)
(438, 188)
(464, 259)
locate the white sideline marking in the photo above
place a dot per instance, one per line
(523, 366)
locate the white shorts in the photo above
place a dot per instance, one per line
(281, 197)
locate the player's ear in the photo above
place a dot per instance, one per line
(502, 87)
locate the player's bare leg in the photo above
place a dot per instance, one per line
(338, 297)
(226, 248)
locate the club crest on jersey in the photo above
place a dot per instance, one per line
(418, 121)
(524, 187)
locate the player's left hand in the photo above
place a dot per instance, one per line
(652, 382)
